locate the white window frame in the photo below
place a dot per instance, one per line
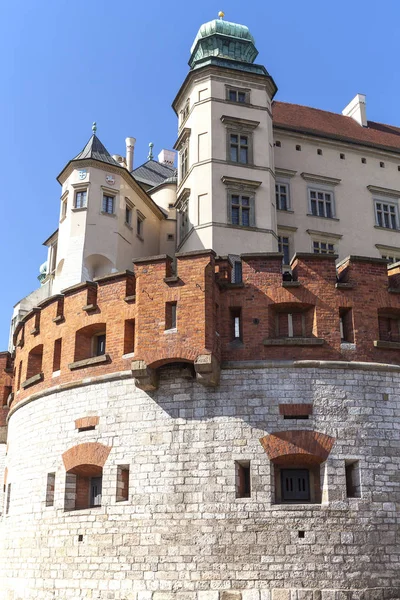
(80, 191)
(391, 204)
(320, 189)
(323, 250)
(286, 184)
(108, 195)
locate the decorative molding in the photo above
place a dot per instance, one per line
(285, 173)
(321, 179)
(183, 137)
(83, 185)
(374, 189)
(239, 183)
(239, 124)
(325, 234)
(287, 228)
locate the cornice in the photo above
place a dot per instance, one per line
(325, 234)
(287, 173)
(239, 182)
(245, 124)
(322, 179)
(183, 136)
(374, 189)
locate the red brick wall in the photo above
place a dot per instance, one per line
(201, 299)
(6, 385)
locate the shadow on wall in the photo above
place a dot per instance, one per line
(97, 265)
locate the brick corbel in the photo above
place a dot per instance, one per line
(306, 444)
(207, 369)
(146, 378)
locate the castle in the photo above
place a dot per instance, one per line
(200, 401)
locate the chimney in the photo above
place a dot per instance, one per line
(130, 147)
(167, 157)
(356, 109)
(119, 159)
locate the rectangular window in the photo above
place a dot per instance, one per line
(129, 336)
(283, 246)
(128, 215)
(185, 111)
(57, 355)
(183, 222)
(392, 259)
(237, 272)
(323, 248)
(139, 226)
(282, 196)
(122, 483)
(8, 498)
(353, 479)
(346, 325)
(184, 160)
(95, 491)
(108, 204)
(63, 209)
(237, 96)
(243, 482)
(295, 485)
(100, 344)
(50, 487)
(321, 203)
(236, 323)
(386, 215)
(389, 328)
(241, 210)
(80, 199)
(291, 324)
(170, 315)
(239, 148)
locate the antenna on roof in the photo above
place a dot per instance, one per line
(150, 156)
(94, 127)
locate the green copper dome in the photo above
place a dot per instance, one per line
(224, 41)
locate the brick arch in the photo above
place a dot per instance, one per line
(298, 446)
(90, 453)
(178, 353)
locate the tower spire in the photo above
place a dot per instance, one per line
(150, 156)
(94, 127)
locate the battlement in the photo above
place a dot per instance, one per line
(6, 384)
(134, 322)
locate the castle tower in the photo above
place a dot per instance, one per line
(226, 167)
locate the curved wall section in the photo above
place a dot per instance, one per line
(187, 529)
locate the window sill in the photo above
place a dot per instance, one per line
(59, 319)
(172, 279)
(172, 330)
(348, 346)
(387, 345)
(291, 284)
(393, 290)
(80, 209)
(130, 299)
(106, 214)
(344, 286)
(128, 226)
(387, 228)
(294, 341)
(139, 237)
(62, 218)
(56, 373)
(128, 355)
(89, 308)
(237, 343)
(32, 380)
(287, 210)
(89, 362)
(326, 218)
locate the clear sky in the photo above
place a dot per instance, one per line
(67, 63)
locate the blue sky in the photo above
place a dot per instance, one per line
(67, 63)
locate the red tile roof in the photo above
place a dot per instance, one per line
(317, 122)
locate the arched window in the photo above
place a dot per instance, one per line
(35, 360)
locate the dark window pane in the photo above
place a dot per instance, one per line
(245, 201)
(241, 97)
(328, 210)
(313, 207)
(234, 154)
(245, 217)
(321, 211)
(232, 95)
(243, 156)
(235, 215)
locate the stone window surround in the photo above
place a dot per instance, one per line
(183, 143)
(324, 184)
(237, 126)
(234, 88)
(64, 206)
(106, 191)
(140, 218)
(241, 187)
(130, 205)
(288, 232)
(323, 237)
(283, 177)
(390, 202)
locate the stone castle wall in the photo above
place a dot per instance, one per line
(183, 533)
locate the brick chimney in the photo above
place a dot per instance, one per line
(356, 109)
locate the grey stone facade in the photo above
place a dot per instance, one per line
(183, 534)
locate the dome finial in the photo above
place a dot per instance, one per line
(94, 127)
(150, 156)
(221, 14)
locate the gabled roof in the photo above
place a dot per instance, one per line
(153, 173)
(94, 149)
(313, 121)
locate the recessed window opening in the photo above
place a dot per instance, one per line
(128, 215)
(170, 237)
(129, 336)
(323, 248)
(386, 214)
(364, 161)
(243, 479)
(83, 487)
(8, 498)
(239, 148)
(50, 488)
(382, 165)
(278, 144)
(35, 360)
(291, 324)
(282, 196)
(346, 325)
(122, 483)
(298, 417)
(319, 152)
(99, 344)
(139, 226)
(80, 199)
(353, 479)
(321, 203)
(240, 210)
(64, 207)
(237, 271)
(57, 355)
(80, 537)
(342, 156)
(295, 485)
(283, 247)
(89, 341)
(6, 392)
(171, 315)
(236, 323)
(237, 96)
(389, 327)
(108, 204)
(184, 160)
(87, 428)
(298, 148)
(19, 375)
(301, 534)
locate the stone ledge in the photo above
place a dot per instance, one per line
(88, 362)
(172, 279)
(344, 286)
(309, 364)
(294, 341)
(387, 345)
(130, 299)
(90, 307)
(32, 380)
(291, 284)
(59, 319)
(393, 290)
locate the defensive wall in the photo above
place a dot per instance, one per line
(205, 396)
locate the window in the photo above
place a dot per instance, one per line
(184, 160)
(236, 323)
(237, 96)
(35, 359)
(389, 328)
(183, 222)
(386, 215)
(295, 485)
(241, 209)
(64, 205)
(8, 498)
(100, 344)
(298, 148)
(323, 248)
(319, 152)
(353, 479)
(342, 156)
(185, 111)
(170, 315)
(242, 473)
(129, 336)
(237, 271)
(128, 215)
(80, 199)
(50, 487)
(57, 355)
(239, 148)
(282, 196)
(108, 204)
(291, 324)
(382, 165)
(321, 203)
(392, 259)
(122, 483)
(95, 491)
(364, 161)
(283, 246)
(139, 226)
(278, 144)
(83, 487)
(346, 325)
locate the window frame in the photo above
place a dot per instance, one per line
(229, 89)
(184, 160)
(248, 146)
(103, 205)
(321, 189)
(280, 247)
(140, 219)
(281, 182)
(327, 243)
(77, 193)
(241, 194)
(392, 203)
